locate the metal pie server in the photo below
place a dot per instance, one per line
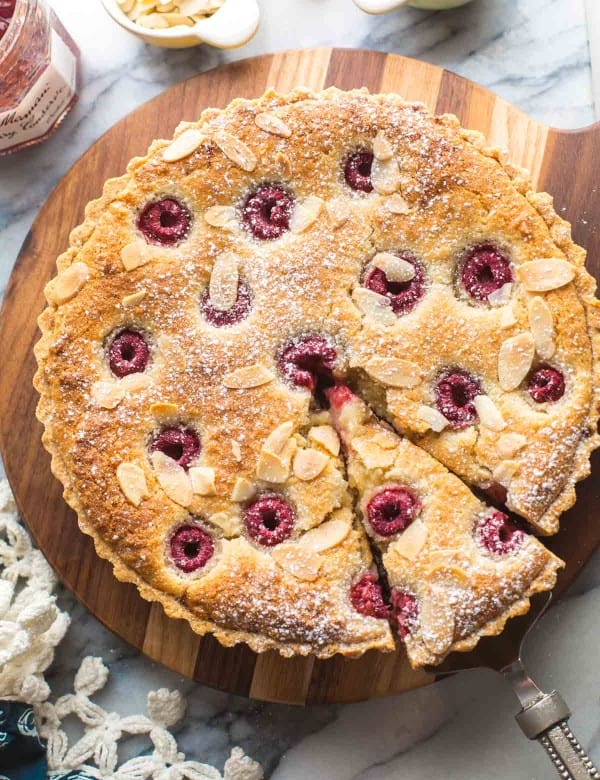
(543, 716)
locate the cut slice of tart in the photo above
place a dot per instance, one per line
(457, 569)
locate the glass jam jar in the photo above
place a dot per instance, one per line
(39, 73)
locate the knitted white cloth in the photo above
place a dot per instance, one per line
(31, 626)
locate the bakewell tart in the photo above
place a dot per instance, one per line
(204, 329)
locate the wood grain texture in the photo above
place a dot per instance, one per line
(562, 162)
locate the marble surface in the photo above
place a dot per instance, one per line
(534, 53)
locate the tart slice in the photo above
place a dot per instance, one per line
(457, 569)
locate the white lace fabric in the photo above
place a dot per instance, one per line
(31, 626)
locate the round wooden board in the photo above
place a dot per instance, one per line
(562, 163)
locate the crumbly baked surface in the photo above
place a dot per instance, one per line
(479, 350)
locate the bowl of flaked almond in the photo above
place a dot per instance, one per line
(177, 24)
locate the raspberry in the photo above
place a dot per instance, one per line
(498, 533)
(269, 520)
(308, 362)
(455, 392)
(180, 444)
(238, 312)
(546, 385)
(392, 510)
(267, 211)
(191, 548)
(357, 171)
(405, 612)
(485, 270)
(403, 296)
(164, 222)
(128, 353)
(367, 597)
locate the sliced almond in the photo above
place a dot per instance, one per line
(309, 463)
(385, 439)
(283, 165)
(107, 395)
(271, 123)
(436, 620)
(500, 296)
(67, 284)
(338, 212)
(382, 148)
(275, 468)
(224, 280)
(547, 273)
(236, 449)
(136, 254)
(172, 478)
(385, 176)
(203, 480)
(306, 213)
(505, 471)
(228, 523)
(395, 268)
(128, 301)
(510, 443)
(133, 383)
(184, 145)
(164, 409)
(327, 437)
(394, 372)
(248, 376)
(277, 440)
(371, 454)
(325, 536)
(507, 317)
(432, 417)
(152, 21)
(237, 151)
(300, 563)
(397, 205)
(514, 360)
(373, 305)
(243, 490)
(411, 541)
(541, 325)
(174, 19)
(132, 481)
(220, 216)
(488, 412)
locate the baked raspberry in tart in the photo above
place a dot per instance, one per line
(304, 340)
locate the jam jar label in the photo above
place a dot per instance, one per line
(45, 102)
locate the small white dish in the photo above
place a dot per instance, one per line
(234, 24)
(383, 6)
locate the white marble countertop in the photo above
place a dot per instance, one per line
(532, 52)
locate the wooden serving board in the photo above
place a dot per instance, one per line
(564, 163)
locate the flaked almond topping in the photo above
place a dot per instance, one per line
(277, 440)
(132, 481)
(248, 376)
(132, 300)
(507, 317)
(300, 563)
(411, 541)
(547, 273)
(385, 176)
(309, 463)
(275, 468)
(541, 325)
(514, 360)
(371, 454)
(271, 123)
(164, 409)
(374, 305)
(283, 165)
(306, 213)
(183, 145)
(67, 284)
(243, 490)
(136, 254)
(203, 480)
(236, 449)
(436, 619)
(135, 382)
(338, 212)
(394, 372)
(172, 478)
(228, 523)
(382, 148)
(489, 414)
(397, 205)
(510, 443)
(327, 437)
(500, 296)
(434, 419)
(220, 216)
(505, 471)
(237, 151)
(395, 268)
(325, 536)
(107, 395)
(385, 439)
(224, 280)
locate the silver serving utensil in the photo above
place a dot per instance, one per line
(543, 716)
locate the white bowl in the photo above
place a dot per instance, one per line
(234, 24)
(383, 6)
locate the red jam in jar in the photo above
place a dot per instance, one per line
(39, 73)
